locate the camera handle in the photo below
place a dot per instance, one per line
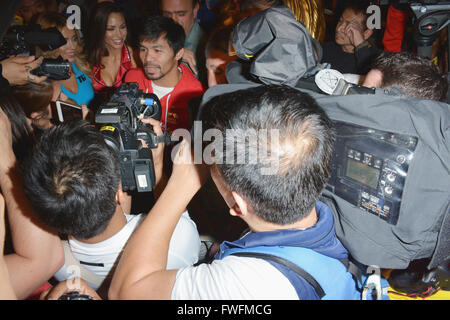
(431, 19)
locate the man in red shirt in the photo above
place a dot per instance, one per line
(161, 45)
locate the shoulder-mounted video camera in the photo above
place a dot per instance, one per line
(123, 132)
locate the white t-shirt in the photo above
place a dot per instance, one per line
(233, 278)
(99, 258)
(161, 91)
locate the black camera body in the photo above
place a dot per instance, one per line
(75, 295)
(123, 130)
(21, 40)
(56, 69)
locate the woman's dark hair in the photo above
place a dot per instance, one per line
(23, 138)
(95, 47)
(34, 97)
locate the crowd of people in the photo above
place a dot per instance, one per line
(69, 225)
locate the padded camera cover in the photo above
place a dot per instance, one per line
(280, 48)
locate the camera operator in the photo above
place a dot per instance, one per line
(15, 70)
(81, 197)
(413, 75)
(281, 208)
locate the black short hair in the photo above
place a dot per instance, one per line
(157, 26)
(358, 7)
(72, 179)
(304, 149)
(414, 75)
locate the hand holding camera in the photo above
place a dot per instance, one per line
(17, 69)
(55, 69)
(124, 127)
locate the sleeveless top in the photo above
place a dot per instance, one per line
(85, 93)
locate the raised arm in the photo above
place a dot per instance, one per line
(38, 252)
(141, 271)
(6, 290)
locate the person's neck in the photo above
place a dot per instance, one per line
(118, 221)
(190, 29)
(114, 53)
(259, 225)
(348, 48)
(170, 80)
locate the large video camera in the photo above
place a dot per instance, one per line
(21, 40)
(123, 132)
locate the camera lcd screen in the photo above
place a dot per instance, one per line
(62, 111)
(362, 173)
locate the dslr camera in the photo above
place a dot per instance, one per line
(56, 69)
(123, 131)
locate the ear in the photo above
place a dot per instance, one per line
(124, 200)
(197, 6)
(179, 54)
(35, 115)
(367, 34)
(240, 207)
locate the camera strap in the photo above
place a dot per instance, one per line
(165, 138)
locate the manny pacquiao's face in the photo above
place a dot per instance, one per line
(158, 58)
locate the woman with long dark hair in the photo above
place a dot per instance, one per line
(35, 99)
(108, 48)
(22, 135)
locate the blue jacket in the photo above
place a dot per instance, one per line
(316, 250)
